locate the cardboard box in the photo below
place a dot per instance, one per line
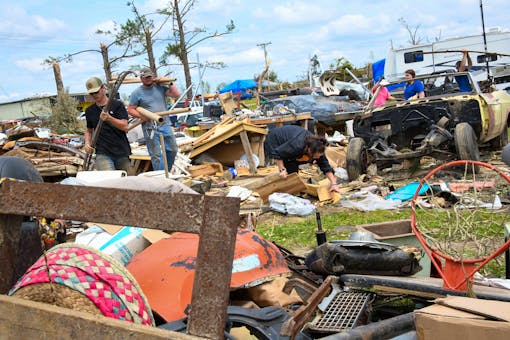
(464, 318)
(335, 156)
(399, 233)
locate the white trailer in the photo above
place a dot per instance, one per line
(435, 57)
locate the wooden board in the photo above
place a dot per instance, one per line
(279, 120)
(161, 80)
(23, 319)
(225, 133)
(206, 169)
(274, 183)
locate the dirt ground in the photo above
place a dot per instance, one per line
(389, 179)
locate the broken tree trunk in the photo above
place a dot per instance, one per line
(58, 78)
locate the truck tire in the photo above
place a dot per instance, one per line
(466, 143)
(356, 158)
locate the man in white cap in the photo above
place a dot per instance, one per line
(112, 146)
(152, 96)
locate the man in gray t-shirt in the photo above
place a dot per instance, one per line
(152, 96)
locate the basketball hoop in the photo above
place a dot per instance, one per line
(459, 221)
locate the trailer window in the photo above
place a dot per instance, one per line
(413, 57)
(482, 58)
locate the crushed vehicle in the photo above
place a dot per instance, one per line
(446, 124)
(330, 111)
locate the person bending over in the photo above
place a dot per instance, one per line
(291, 145)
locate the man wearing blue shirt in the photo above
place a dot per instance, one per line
(414, 88)
(463, 81)
(152, 96)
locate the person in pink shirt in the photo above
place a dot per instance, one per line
(383, 94)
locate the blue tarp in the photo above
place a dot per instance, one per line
(240, 85)
(378, 69)
(378, 73)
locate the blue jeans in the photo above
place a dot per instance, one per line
(107, 162)
(153, 146)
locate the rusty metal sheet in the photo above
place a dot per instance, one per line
(214, 218)
(165, 211)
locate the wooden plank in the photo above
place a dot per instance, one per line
(202, 138)
(227, 101)
(206, 169)
(160, 80)
(23, 319)
(247, 151)
(280, 119)
(224, 135)
(291, 185)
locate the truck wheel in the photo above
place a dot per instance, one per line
(356, 158)
(466, 143)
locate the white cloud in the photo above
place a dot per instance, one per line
(299, 12)
(32, 65)
(16, 22)
(242, 57)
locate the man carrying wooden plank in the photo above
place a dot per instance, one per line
(152, 96)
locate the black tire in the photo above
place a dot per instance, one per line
(466, 143)
(356, 158)
(500, 141)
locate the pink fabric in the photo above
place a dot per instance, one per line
(85, 271)
(382, 97)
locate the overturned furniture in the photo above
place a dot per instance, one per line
(215, 219)
(228, 140)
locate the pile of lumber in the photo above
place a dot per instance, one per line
(50, 159)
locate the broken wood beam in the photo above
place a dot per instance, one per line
(248, 152)
(274, 183)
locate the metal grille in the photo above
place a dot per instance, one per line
(342, 313)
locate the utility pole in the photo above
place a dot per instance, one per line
(263, 45)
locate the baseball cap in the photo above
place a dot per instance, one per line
(93, 84)
(146, 72)
(384, 82)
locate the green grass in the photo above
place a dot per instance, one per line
(251, 103)
(301, 234)
(298, 235)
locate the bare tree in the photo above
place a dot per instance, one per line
(183, 40)
(414, 39)
(121, 39)
(143, 31)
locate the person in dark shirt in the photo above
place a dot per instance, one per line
(291, 145)
(463, 81)
(112, 146)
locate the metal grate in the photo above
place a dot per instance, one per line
(342, 313)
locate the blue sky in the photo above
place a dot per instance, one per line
(360, 31)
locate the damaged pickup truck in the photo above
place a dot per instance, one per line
(445, 124)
